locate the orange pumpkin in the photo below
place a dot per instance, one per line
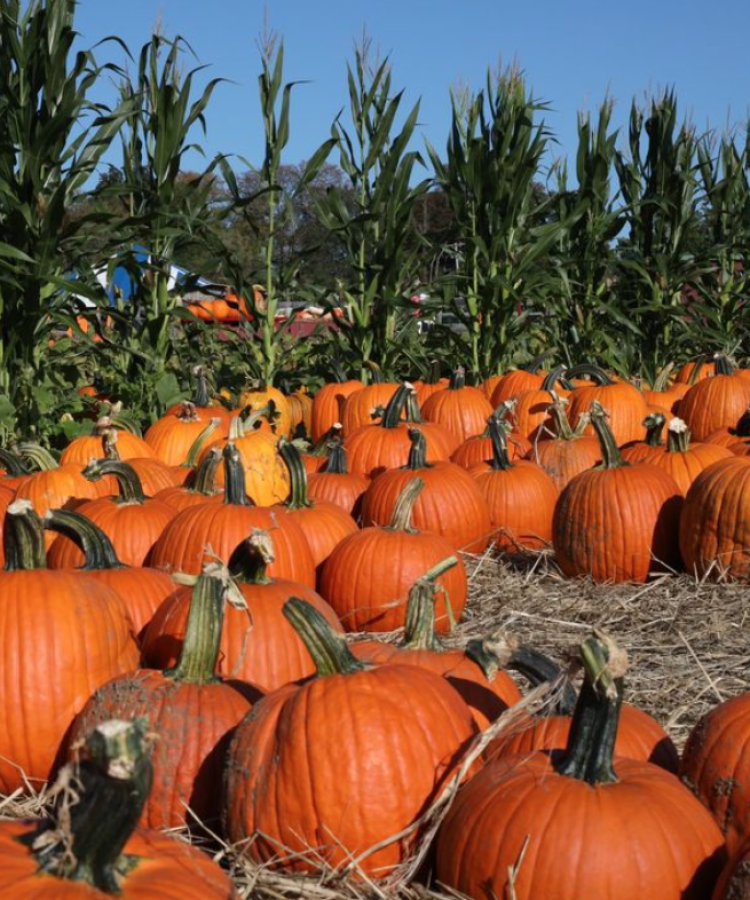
(717, 402)
(266, 397)
(328, 406)
(624, 403)
(461, 409)
(570, 452)
(336, 484)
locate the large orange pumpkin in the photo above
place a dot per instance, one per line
(624, 402)
(328, 406)
(303, 789)
(717, 402)
(561, 825)
(174, 437)
(461, 409)
(83, 449)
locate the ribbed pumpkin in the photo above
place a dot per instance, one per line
(359, 406)
(132, 522)
(336, 484)
(201, 487)
(478, 449)
(570, 452)
(580, 824)
(372, 449)
(461, 409)
(94, 446)
(174, 436)
(300, 408)
(328, 406)
(88, 846)
(516, 382)
(63, 635)
(624, 402)
(479, 678)
(695, 371)
(368, 576)
(717, 402)
(450, 504)
(266, 476)
(258, 645)
(716, 767)
(520, 496)
(277, 415)
(190, 711)
(142, 590)
(531, 414)
(303, 789)
(715, 524)
(617, 522)
(324, 524)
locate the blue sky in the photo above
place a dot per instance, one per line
(573, 52)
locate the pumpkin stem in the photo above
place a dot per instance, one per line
(402, 511)
(723, 366)
(201, 398)
(298, 497)
(458, 379)
(205, 476)
(535, 364)
(131, 489)
(109, 444)
(250, 560)
(678, 437)
(418, 451)
(329, 651)
(433, 372)
(594, 373)
(593, 731)
(320, 448)
(419, 628)
(662, 379)
(396, 405)
(559, 415)
(198, 443)
(86, 831)
(491, 653)
(202, 642)
(499, 440)
(234, 477)
(537, 668)
(413, 413)
(554, 378)
(23, 540)
(611, 457)
(39, 456)
(12, 463)
(96, 546)
(336, 464)
(654, 425)
(376, 373)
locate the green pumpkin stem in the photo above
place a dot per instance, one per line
(38, 455)
(11, 462)
(396, 405)
(402, 511)
(195, 448)
(97, 548)
(336, 464)
(537, 668)
(723, 366)
(298, 497)
(433, 372)
(654, 425)
(611, 457)
(591, 373)
(131, 489)
(23, 538)
(201, 398)
(499, 438)
(554, 378)
(590, 750)
(418, 451)
(678, 437)
(321, 446)
(491, 653)
(375, 372)
(205, 476)
(329, 651)
(661, 382)
(458, 379)
(249, 562)
(202, 641)
(419, 628)
(560, 422)
(235, 492)
(83, 838)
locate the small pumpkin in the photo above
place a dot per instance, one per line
(336, 484)
(478, 449)
(328, 406)
(624, 402)
(459, 408)
(570, 452)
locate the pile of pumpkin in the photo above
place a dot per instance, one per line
(226, 558)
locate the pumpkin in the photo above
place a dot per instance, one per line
(266, 476)
(173, 437)
(715, 526)
(617, 522)
(204, 407)
(63, 635)
(368, 576)
(201, 488)
(693, 372)
(517, 381)
(478, 449)
(531, 413)
(328, 406)
(624, 402)
(336, 484)
(132, 522)
(191, 714)
(374, 448)
(88, 847)
(156, 476)
(212, 530)
(570, 452)
(430, 384)
(265, 398)
(520, 496)
(300, 408)
(576, 815)
(478, 677)
(640, 451)
(83, 449)
(7, 496)
(258, 645)
(717, 402)
(732, 435)
(450, 504)
(302, 787)
(359, 406)
(142, 590)
(461, 409)
(324, 524)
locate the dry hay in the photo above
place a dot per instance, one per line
(687, 650)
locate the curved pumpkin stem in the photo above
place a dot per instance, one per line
(594, 373)
(554, 378)
(537, 668)
(558, 412)
(396, 405)
(678, 437)
(235, 492)
(329, 651)
(23, 538)
(298, 496)
(321, 446)
(38, 455)
(419, 628)
(418, 451)
(654, 425)
(611, 457)
(535, 364)
(249, 562)
(375, 372)
(202, 641)
(131, 489)
(205, 476)
(84, 841)
(590, 751)
(500, 459)
(402, 511)
(11, 462)
(336, 464)
(195, 448)
(97, 548)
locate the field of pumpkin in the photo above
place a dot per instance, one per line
(246, 626)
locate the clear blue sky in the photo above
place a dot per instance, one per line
(573, 52)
